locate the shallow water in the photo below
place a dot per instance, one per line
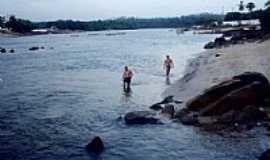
(53, 100)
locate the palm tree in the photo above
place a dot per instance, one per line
(241, 6)
(267, 4)
(250, 6)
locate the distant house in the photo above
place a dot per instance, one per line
(252, 22)
(40, 31)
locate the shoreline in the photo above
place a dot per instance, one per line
(216, 65)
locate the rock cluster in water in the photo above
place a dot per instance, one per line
(244, 99)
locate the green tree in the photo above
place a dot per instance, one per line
(19, 25)
(250, 6)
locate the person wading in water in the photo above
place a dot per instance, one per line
(168, 64)
(127, 76)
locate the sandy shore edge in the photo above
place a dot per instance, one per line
(216, 65)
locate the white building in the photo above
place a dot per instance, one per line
(252, 22)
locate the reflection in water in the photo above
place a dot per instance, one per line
(127, 95)
(168, 81)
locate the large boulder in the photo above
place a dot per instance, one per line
(249, 77)
(265, 155)
(216, 92)
(95, 145)
(141, 117)
(213, 94)
(236, 100)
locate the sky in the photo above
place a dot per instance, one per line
(85, 10)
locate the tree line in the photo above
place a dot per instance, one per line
(22, 26)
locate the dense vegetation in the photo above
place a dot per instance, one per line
(134, 23)
(19, 25)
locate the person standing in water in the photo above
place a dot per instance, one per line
(168, 65)
(127, 76)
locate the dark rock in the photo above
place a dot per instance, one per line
(249, 77)
(3, 50)
(33, 48)
(213, 94)
(220, 41)
(210, 45)
(189, 119)
(42, 47)
(235, 100)
(186, 117)
(180, 113)
(250, 114)
(216, 92)
(156, 107)
(167, 100)
(141, 117)
(265, 155)
(206, 120)
(96, 145)
(218, 55)
(169, 110)
(228, 117)
(11, 51)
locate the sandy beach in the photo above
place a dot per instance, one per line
(214, 66)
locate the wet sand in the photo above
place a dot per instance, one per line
(214, 66)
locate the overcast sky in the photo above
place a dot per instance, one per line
(40, 10)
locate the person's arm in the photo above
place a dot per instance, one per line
(164, 64)
(172, 64)
(131, 74)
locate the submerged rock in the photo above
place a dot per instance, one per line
(11, 51)
(141, 117)
(33, 48)
(3, 50)
(95, 145)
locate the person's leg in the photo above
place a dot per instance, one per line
(168, 69)
(128, 83)
(124, 84)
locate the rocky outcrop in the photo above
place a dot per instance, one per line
(240, 100)
(235, 100)
(141, 117)
(95, 145)
(216, 92)
(167, 100)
